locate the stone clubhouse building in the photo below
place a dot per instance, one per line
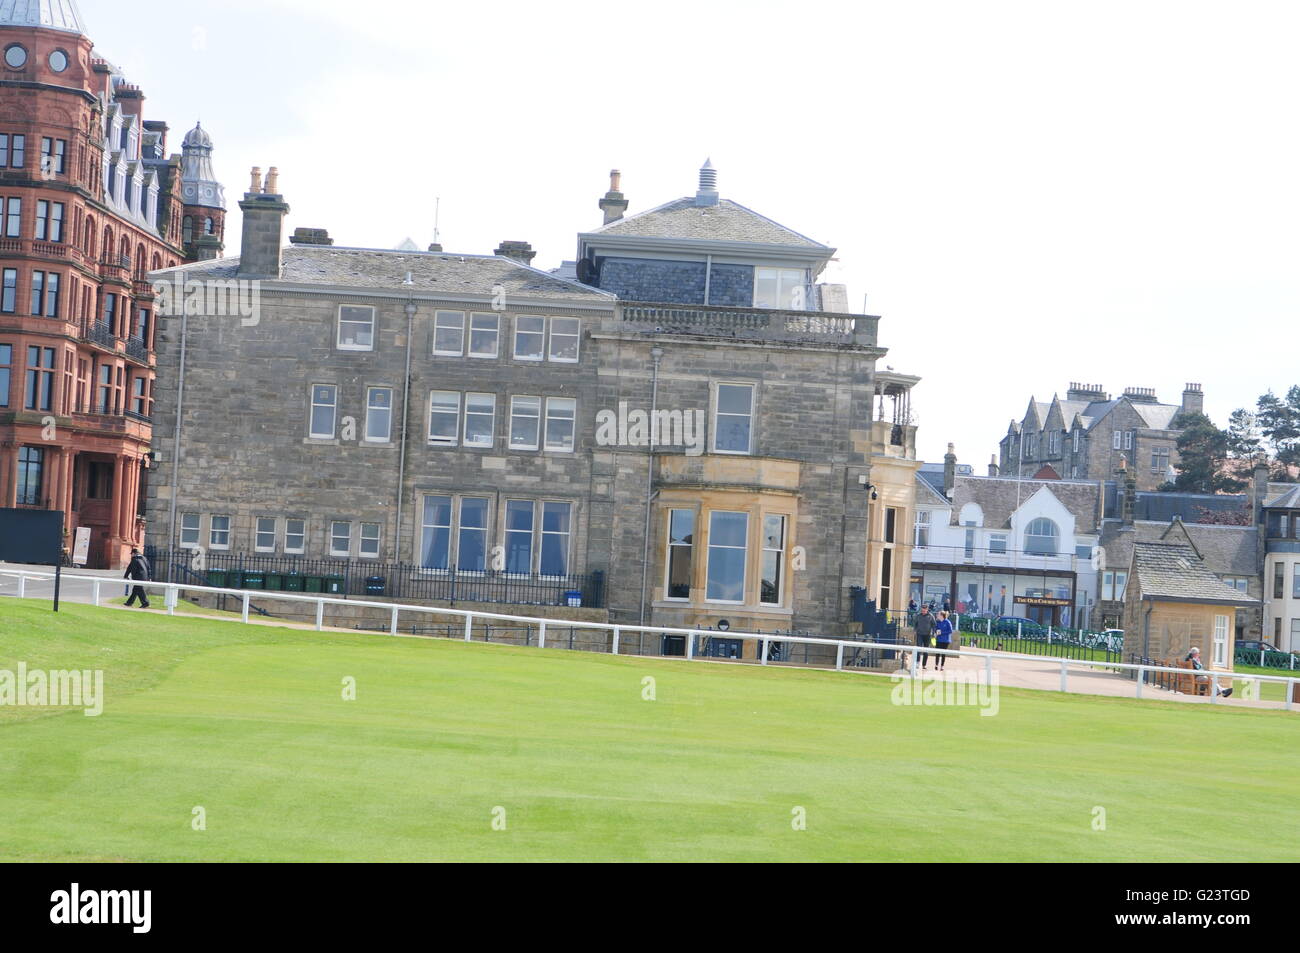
(687, 430)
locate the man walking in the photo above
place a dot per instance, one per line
(138, 570)
(924, 627)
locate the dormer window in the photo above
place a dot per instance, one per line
(782, 288)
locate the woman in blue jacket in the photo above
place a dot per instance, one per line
(942, 638)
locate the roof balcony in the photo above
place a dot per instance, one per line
(752, 324)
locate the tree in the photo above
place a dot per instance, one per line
(1279, 423)
(1203, 456)
(1245, 440)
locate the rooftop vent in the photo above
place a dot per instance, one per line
(708, 191)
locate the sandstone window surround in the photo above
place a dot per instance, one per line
(324, 411)
(534, 535)
(484, 335)
(726, 549)
(449, 333)
(379, 414)
(13, 151)
(13, 217)
(264, 534)
(356, 328)
(561, 418)
(295, 535)
(525, 422)
(733, 417)
(219, 532)
(530, 337)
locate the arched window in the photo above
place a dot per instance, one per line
(187, 230)
(108, 243)
(1041, 537)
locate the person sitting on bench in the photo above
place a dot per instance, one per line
(1194, 656)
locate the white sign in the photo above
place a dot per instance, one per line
(81, 548)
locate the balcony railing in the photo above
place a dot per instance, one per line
(142, 418)
(50, 249)
(820, 327)
(101, 334)
(137, 349)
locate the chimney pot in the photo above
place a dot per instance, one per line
(255, 185)
(272, 181)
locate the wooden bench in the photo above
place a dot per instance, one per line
(1189, 684)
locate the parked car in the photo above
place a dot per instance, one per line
(1011, 625)
(1254, 645)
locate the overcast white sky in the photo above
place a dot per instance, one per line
(1027, 193)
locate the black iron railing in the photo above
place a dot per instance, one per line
(364, 577)
(137, 349)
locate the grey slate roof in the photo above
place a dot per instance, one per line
(727, 221)
(381, 269)
(1227, 550)
(1290, 500)
(997, 497)
(930, 488)
(1174, 571)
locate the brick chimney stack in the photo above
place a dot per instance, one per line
(613, 204)
(993, 465)
(1193, 399)
(264, 210)
(949, 472)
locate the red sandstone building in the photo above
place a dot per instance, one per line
(89, 204)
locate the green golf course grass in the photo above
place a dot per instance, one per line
(249, 723)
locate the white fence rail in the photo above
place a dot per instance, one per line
(762, 640)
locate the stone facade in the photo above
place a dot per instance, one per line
(760, 513)
(1085, 435)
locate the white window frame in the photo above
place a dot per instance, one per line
(1117, 440)
(541, 347)
(575, 334)
(752, 415)
(338, 340)
(453, 414)
(363, 538)
(302, 537)
(921, 524)
(492, 422)
(439, 324)
(196, 529)
(1128, 440)
(1222, 626)
(258, 533)
(536, 417)
(334, 412)
(997, 540)
(370, 408)
(213, 531)
(495, 331)
(786, 278)
(334, 550)
(573, 437)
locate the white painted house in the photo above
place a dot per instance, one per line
(999, 546)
